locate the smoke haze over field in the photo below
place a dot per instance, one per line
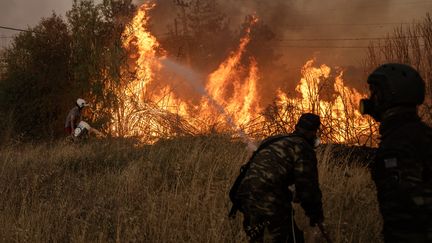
(290, 27)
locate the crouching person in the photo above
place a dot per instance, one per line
(83, 130)
(263, 195)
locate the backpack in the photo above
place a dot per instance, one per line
(243, 169)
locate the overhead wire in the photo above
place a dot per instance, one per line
(330, 47)
(369, 6)
(350, 24)
(15, 29)
(350, 39)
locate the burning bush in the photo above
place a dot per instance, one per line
(229, 99)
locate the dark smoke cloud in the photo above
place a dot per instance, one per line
(295, 19)
(303, 19)
(311, 18)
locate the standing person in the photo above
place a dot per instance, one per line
(263, 195)
(74, 116)
(403, 165)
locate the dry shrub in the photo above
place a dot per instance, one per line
(410, 45)
(173, 191)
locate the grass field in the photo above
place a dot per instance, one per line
(172, 191)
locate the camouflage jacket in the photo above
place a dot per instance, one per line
(290, 161)
(402, 174)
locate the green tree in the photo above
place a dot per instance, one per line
(97, 53)
(51, 65)
(34, 86)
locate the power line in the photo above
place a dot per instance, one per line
(15, 29)
(350, 24)
(345, 25)
(324, 47)
(329, 47)
(351, 39)
(369, 6)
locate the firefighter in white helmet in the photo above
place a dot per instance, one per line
(84, 129)
(74, 116)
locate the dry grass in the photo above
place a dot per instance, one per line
(173, 191)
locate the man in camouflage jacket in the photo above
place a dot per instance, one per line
(264, 195)
(403, 164)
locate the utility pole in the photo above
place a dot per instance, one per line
(183, 4)
(2, 50)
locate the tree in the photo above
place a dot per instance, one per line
(97, 52)
(35, 85)
(51, 65)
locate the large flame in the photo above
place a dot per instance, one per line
(150, 108)
(142, 108)
(227, 86)
(342, 122)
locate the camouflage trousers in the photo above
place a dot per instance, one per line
(276, 230)
(407, 231)
(405, 221)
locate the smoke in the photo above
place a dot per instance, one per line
(281, 42)
(312, 19)
(22, 13)
(309, 19)
(289, 33)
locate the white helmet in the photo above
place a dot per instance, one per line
(82, 126)
(81, 103)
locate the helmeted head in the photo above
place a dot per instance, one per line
(308, 125)
(81, 103)
(392, 85)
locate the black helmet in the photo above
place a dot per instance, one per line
(393, 85)
(309, 121)
(400, 84)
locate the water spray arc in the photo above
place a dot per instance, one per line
(194, 79)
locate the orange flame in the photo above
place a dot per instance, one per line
(340, 117)
(242, 103)
(233, 88)
(137, 34)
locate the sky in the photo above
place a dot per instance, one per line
(295, 19)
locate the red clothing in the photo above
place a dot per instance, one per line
(68, 130)
(74, 116)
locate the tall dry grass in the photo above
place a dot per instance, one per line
(173, 191)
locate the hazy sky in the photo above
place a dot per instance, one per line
(318, 20)
(22, 13)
